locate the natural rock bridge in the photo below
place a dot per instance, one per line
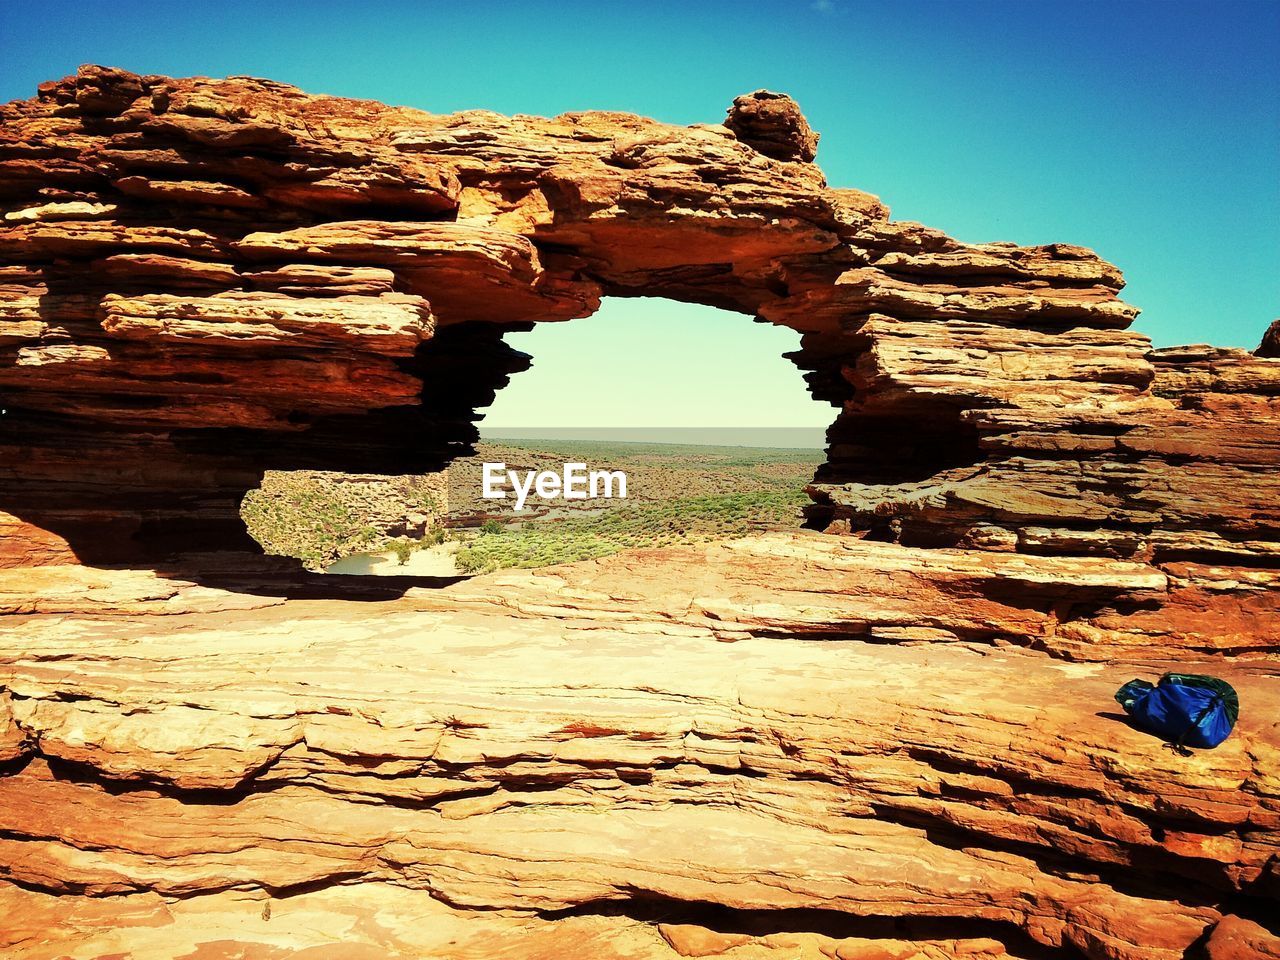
(895, 757)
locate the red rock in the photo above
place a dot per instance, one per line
(1270, 346)
(804, 738)
(1234, 938)
(773, 124)
(588, 749)
(689, 940)
(243, 186)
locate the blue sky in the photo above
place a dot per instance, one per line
(1149, 131)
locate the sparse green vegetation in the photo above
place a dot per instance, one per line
(319, 517)
(676, 494)
(686, 520)
(306, 521)
(403, 549)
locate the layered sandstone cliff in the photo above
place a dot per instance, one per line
(202, 279)
(895, 742)
(780, 747)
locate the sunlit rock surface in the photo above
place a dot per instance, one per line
(204, 279)
(894, 741)
(597, 746)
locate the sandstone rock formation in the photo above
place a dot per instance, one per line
(200, 280)
(773, 124)
(1270, 346)
(585, 754)
(896, 742)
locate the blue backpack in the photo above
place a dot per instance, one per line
(1186, 709)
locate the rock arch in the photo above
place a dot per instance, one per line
(203, 279)
(200, 279)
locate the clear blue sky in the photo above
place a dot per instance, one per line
(1146, 130)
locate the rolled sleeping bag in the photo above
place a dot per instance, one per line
(1187, 709)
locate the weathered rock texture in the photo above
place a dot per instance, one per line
(895, 744)
(202, 279)
(579, 750)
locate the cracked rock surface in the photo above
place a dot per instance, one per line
(892, 740)
(576, 756)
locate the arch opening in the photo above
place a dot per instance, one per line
(647, 368)
(713, 427)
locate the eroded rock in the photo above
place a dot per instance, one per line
(604, 745)
(898, 742)
(773, 124)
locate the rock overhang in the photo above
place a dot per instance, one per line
(202, 278)
(241, 276)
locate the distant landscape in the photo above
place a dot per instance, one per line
(677, 493)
